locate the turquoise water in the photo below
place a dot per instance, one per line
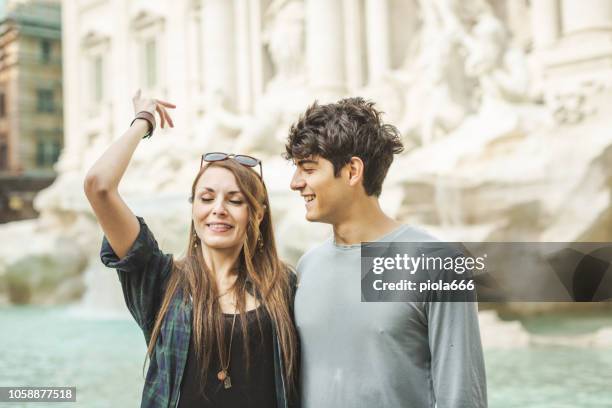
(549, 378)
(103, 359)
(52, 347)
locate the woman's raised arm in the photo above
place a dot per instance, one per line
(102, 181)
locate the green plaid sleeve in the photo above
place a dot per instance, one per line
(143, 274)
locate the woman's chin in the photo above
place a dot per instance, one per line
(221, 244)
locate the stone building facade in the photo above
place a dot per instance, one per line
(31, 103)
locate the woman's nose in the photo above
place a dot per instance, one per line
(219, 208)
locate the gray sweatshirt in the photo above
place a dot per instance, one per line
(371, 355)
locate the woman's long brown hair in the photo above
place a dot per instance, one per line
(269, 277)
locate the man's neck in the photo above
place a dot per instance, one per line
(364, 222)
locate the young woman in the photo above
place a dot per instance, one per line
(218, 322)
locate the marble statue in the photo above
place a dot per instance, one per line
(286, 92)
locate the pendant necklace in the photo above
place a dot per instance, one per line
(223, 375)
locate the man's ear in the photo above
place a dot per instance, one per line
(355, 171)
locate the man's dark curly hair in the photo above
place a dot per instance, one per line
(341, 130)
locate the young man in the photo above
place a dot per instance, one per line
(357, 354)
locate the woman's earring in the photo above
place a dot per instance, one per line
(195, 240)
(260, 243)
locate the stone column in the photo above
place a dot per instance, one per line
(176, 60)
(74, 142)
(120, 91)
(586, 15)
(195, 60)
(256, 50)
(243, 56)
(325, 58)
(544, 22)
(353, 44)
(193, 38)
(219, 48)
(377, 26)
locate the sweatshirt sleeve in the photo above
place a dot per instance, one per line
(457, 362)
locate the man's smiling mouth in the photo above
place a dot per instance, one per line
(308, 197)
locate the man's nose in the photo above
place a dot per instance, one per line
(297, 183)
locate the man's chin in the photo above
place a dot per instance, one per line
(310, 216)
(314, 217)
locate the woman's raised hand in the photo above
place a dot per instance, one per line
(152, 105)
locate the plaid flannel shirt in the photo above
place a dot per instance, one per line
(143, 274)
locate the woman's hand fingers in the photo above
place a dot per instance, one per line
(162, 113)
(161, 116)
(166, 115)
(152, 105)
(166, 104)
(168, 118)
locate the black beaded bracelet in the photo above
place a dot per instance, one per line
(150, 118)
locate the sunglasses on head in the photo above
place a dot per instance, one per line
(240, 158)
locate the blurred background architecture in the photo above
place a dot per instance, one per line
(31, 117)
(503, 107)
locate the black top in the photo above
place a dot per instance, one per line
(256, 390)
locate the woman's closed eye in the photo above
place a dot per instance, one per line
(232, 201)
